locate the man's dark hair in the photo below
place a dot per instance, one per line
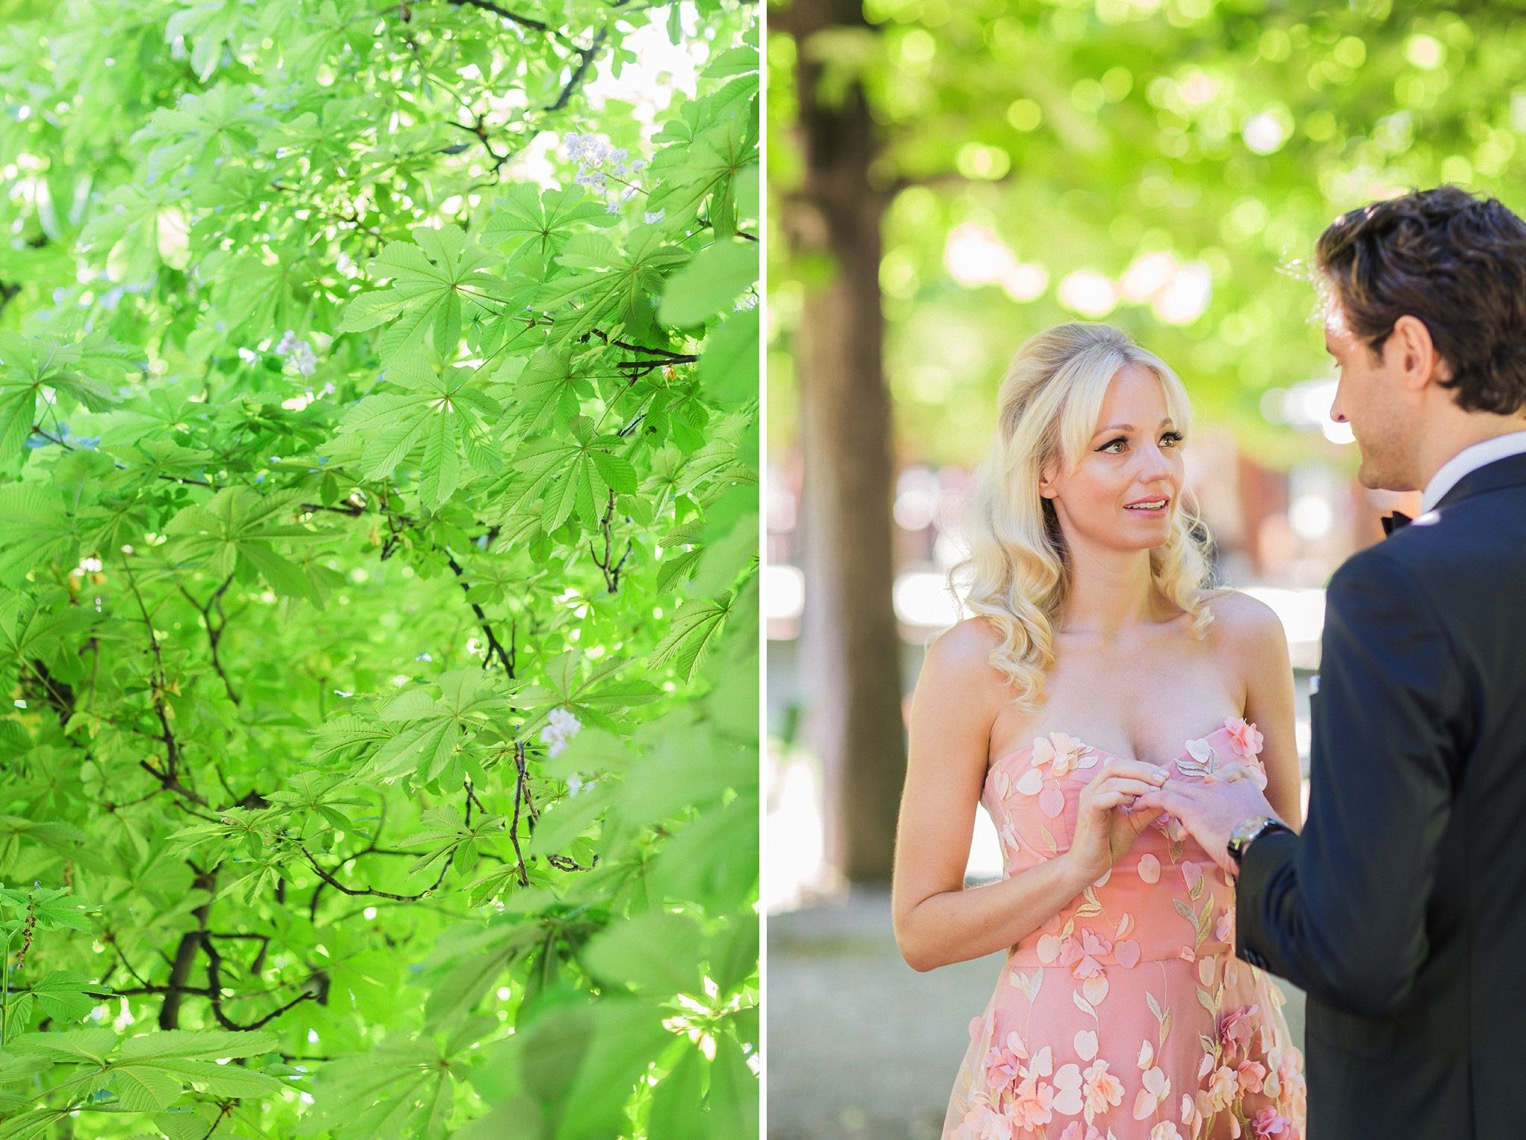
(1456, 263)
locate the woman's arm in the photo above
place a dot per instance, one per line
(938, 921)
(1260, 646)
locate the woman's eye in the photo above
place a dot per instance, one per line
(1171, 438)
(1114, 446)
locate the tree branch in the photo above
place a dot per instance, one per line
(611, 573)
(580, 72)
(494, 646)
(169, 777)
(521, 798)
(215, 632)
(215, 988)
(512, 17)
(185, 953)
(356, 891)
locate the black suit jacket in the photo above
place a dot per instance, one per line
(1401, 909)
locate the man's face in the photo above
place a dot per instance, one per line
(1369, 398)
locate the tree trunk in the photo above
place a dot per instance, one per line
(850, 646)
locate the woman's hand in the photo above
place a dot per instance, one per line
(1107, 823)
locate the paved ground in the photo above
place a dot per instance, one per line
(859, 1044)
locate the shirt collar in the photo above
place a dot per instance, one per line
(1468, 460)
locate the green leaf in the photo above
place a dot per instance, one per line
(197, 1045)
(710, 283)
(145, 1087)
(434, 279)
(655, 952)
(73, 1044)
(693, 630)
(678, 1107)
(35, 532)
(625, 1036)
(733, 1098)
(540, 223)
(728, 367)
(64, 995)
(734, 955)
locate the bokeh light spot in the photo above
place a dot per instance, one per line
(1425, 52)
(1089, 293)
(1025, 114)
(983, 163)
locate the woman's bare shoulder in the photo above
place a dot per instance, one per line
(959, 662)
(1242, 623)
(965, 648)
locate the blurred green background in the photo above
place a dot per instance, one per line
(1163, 166)
(946, 179)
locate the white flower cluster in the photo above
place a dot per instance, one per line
(598, 162)
(298, 353)
(563, 727)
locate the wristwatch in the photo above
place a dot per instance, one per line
(1251, 830)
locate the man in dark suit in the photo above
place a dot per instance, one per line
(1401, 908)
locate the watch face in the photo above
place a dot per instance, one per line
(1249, 831)
(1242, 835)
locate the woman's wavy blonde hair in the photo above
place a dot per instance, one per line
(1049, 403)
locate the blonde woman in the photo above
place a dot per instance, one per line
(1097, 664)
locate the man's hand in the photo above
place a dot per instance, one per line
(1211, 810)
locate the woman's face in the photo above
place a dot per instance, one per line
(1123, 492)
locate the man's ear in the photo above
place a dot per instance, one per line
(1413, 352)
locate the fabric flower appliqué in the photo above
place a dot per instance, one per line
(1244, 737)
(1053, 758)
(1269, 1122)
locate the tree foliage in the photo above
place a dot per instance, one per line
(378, 516)
(1204, 144)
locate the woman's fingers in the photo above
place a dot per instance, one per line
(1138, 769)
(1127, 785)
(1108, 799)
(1117, 791)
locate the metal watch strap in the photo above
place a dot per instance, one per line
(1249, 831)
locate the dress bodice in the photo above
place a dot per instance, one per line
(1164, 899)
(1125, 1015)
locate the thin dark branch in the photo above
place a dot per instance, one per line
(133, 991)
(611, 573)
(586, 56)
(480, 131)
(215, 630)
(512, 17)
(222, 1115)
(169, 776)
(338, 886)
(349, 508)
(126, 965)
(471, 798)
(675, 357)
(521, 798)
(215, 986)
(494, 646)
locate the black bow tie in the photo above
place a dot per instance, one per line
(1394, 521)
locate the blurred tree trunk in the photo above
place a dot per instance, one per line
(850, 646)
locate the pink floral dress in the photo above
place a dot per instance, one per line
(1127, 1015)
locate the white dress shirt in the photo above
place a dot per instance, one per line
(1470, 459)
